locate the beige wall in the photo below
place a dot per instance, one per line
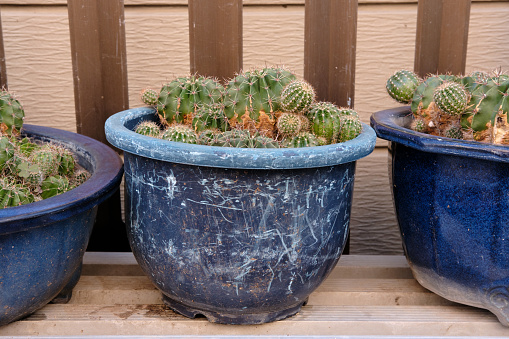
(38, 58)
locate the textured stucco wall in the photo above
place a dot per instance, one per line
(38, 57)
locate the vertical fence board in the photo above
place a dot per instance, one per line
(442, 36)
(329, 49)
(98, 51)
(3, 69)
(215, 37)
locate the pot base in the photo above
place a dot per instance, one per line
(232, 318)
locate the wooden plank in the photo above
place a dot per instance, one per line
(215, 37)
(329, 49)
(98, 52)
(3, 68)
(442, 36)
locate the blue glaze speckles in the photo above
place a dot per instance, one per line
(242, 236)
(42, 243)
(451, 203)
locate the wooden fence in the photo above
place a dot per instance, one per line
(99, 60)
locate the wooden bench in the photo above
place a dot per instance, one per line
(364, 295)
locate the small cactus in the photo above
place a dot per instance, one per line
(47, 159)
(66, 162)
(233, 138)
(453, 131)
(351, 127)
(304, 139)
(290, 124)
(452, 98)
(12, 195)
(11, 114)
(325, 119)
(54, 185)
(401, 85)
(148, 128)
(6, 151)
(210, 116)
(180, 133)
(149, 97)
(419, 125)
(261, 141)
(297, 96)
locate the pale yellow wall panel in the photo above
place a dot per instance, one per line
(38, 61)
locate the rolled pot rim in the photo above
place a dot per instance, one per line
(391, 125)
(127, 140)
(107, 171)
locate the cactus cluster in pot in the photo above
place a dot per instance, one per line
(260, 108)
(31, 170)
(472, 107)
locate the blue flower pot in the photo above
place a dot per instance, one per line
(242, 236)
(452, 204)
(42, 243)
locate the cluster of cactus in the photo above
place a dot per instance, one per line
(260, 108)
(472, 107)
(31, 171)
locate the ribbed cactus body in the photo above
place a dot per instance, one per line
(252, 97)
(401, 85)
(210, 116)
(66, 162)
(452, 98)
(304, 139)
(233, 138)
(11, 114)
(180, 133)
(290, 124)
(261, 141)
(149, 97)
(148, 128)
(6, 151)
(453, 131)
(419, 125)
(47, 159)
(325, 119)
(182, 96)
(54, 185)
(12, 195)
(423, 94)
(297, 97)
(351, 127)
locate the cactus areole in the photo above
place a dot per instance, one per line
(232, 209)
(451, 201)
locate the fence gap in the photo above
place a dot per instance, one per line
(442, 36)
(215, 37)
(98, 51)
(330, 39)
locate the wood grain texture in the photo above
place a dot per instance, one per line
(384, 301)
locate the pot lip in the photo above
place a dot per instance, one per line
(388, 125)
(228, 157)
(106, 177)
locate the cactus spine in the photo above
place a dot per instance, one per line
(148, 128)
(297, 96)
(180, 133)
(149, 97)
(325, 119)
(11, 114)
(452, 98)
(401, 85)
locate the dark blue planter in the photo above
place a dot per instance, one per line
(242, 236)
(42, 243)
(452, 203)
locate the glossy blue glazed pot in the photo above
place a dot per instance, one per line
(242, 236)
(452, 204)
(42, 243)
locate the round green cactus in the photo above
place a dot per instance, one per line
(419, 125)
(254, 91)
(304, 139)
(233, 138)
(454, 131)
(290, 124)
(149, 97)
(47, 159)
(12, 195)
(401, 85)
(180, 133)
(182, 96)
(210, 116)
(451, 97)
(297, 96)
(66, 162)
(261, 141)
(11, 114)
(54, 185)
(148, 128)
(351, 127)
(325, 119)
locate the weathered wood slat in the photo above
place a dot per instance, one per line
(3, 69)
(442, 35)
(383, 300)
(215, 37)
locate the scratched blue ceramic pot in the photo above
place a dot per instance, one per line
(452, 204)
(242, 236)
(42, 243)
